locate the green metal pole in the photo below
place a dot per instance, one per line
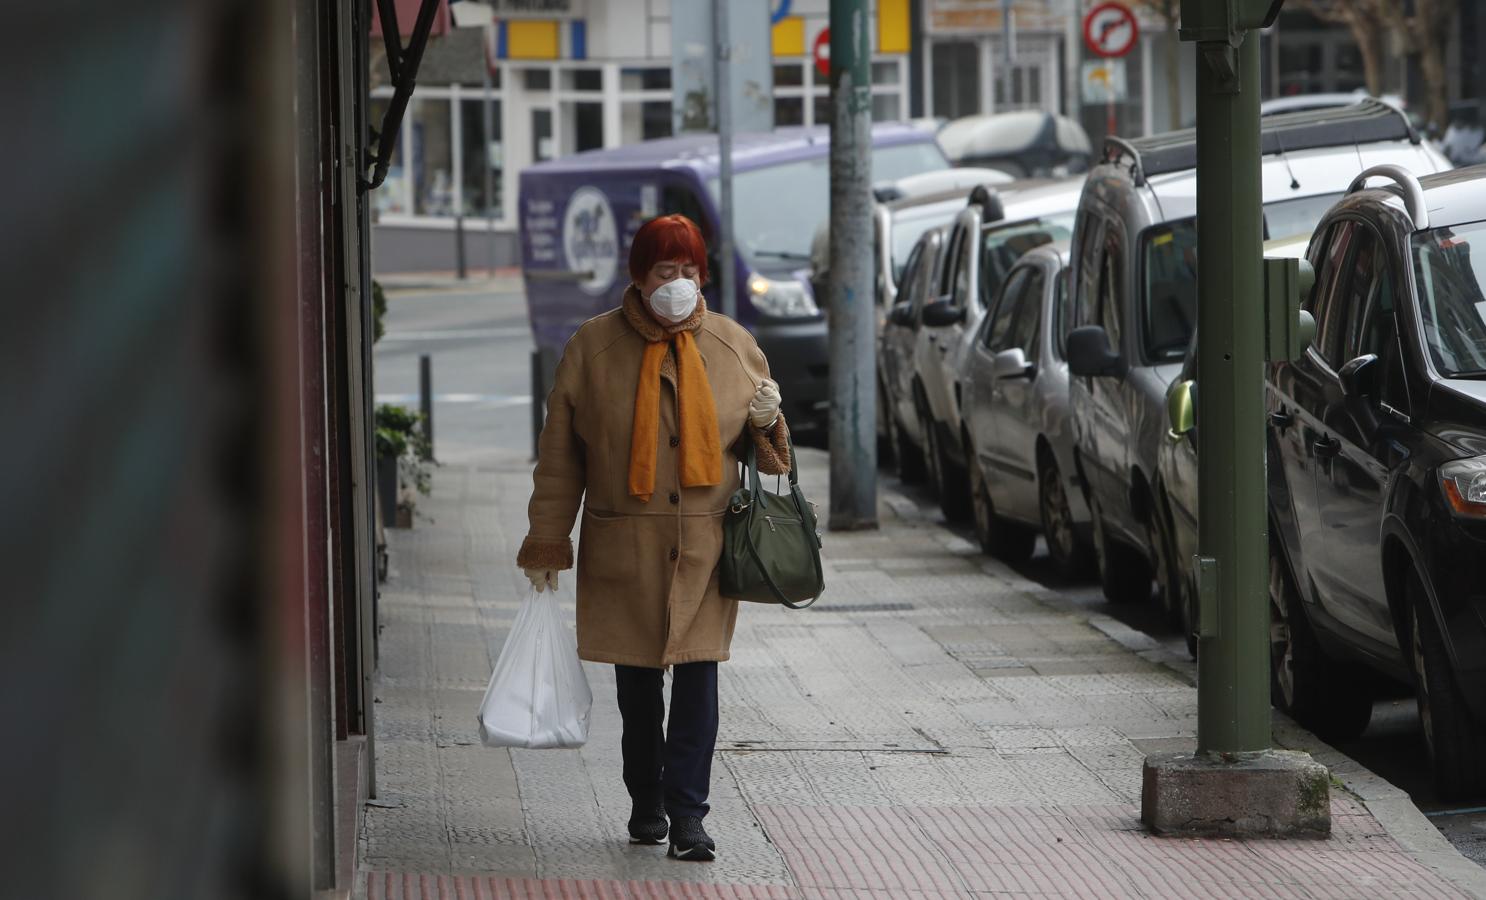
(853, 322)
(1233, 550)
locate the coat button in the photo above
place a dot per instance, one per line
(674, 554)
(675, 498)
(675, 441)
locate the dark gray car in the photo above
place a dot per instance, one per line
(1014, 397)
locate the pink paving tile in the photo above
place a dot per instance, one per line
(383, 885)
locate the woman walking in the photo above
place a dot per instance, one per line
(644, 427)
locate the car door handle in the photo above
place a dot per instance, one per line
(1281, 420)
(1326, 447)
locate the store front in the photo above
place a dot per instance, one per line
(559, 87)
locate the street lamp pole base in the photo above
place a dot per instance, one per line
(1276, 793)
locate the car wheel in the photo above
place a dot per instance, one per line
(950, 480)
(1456, 738)
(1067, 550)
(1004, 540)
(907, 457)
(1124, 575)
(1169, 583)
(931, 457)
(1327, 696)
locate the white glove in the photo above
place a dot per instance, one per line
(542, 579)
(763, 409)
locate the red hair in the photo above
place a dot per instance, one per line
(667, 238)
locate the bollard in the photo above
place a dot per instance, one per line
(459, 246)
(425, 400)
(538, 397)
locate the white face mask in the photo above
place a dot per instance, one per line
(674, 300)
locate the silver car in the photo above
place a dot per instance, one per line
(1014, 396)
(919, 283)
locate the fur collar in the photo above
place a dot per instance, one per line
(640, 319)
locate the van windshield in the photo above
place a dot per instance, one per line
(777, 209)
(1169, 316)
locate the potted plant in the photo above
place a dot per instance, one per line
(402, 472)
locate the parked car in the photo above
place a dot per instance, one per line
(919, 283)
(992, 232)
(1019, 442)
(1133, 275)
(1377, 469)
(1176, 473)
(579, 212)
(1025, 143)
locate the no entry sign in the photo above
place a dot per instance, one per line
(1110, 30)
(822, 53)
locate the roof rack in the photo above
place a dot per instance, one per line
(1366, 121)
(1413, 191)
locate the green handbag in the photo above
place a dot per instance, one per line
(770, 546)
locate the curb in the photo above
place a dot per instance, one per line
(1389, 805)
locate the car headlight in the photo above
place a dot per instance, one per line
(781, 299)
(1464, 484)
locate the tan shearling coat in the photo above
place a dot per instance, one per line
(647, 572)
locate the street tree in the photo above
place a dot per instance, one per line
(1422, 25)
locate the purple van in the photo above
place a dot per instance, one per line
(579, 214)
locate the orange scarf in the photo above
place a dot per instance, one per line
(701, 444)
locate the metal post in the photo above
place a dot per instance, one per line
(538, 400)
(459, 241)
(722, 38)
(1232, 538)
(425, 398)
(487, 127)
(853, 330)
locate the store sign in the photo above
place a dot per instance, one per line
(590, 239)
(1104, 81)
(539, 9)
(980, 17)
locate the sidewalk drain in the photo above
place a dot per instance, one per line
(865, 607)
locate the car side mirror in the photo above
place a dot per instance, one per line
(1090, 356)
(901, 315)
(1012, 363)
(1359, 377)
(1181, 413)
(942, 313)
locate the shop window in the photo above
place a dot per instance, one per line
(582, 126)
(789, 111)
(644, 120)
(539, 79)
(478, 157)
(582, 80)
(432, 158)
(886, 107)
(886, 72)
(821, 104)
(658, 79)
(392, 196)
(956, 80)
(789, 75)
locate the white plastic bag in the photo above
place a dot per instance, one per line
(538, 695)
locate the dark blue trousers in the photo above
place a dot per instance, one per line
(670, 763)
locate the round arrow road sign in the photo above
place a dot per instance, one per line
(822, 53)
(1110, 29)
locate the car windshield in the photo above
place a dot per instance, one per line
(1451, 303)
(1003, 245)
(777, 209)
(908, 228)
(1170, 314)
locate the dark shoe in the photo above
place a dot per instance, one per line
(647, 823)
(689, 840)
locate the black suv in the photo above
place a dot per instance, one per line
(1377, 470)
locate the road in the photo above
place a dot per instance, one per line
(480, 343)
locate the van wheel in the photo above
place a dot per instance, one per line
(1068, 551)
(1456, 738)
(1124, 575)
(998, 537)
(1327, 696)
(907, 457)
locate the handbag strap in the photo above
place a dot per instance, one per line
(750, 463)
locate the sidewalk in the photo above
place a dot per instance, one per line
(937, 726)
